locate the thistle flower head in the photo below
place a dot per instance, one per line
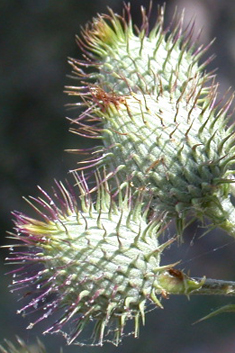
(97, 264)
(154, 108)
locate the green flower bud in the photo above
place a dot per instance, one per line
(152, 105)
(97, 264)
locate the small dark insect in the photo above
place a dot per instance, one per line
(26, 294)
(104, 99)
(176, 273)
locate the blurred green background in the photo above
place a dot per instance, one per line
(36, 37)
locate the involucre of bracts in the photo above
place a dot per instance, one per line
(150, 102)
(95, 266)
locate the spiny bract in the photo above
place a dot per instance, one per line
(154, 108)
(97, 265)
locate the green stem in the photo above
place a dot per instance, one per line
(176, 282)
(216, 287)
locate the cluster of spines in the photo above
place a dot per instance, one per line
(101, 34)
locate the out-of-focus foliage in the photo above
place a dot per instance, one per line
(22, 347)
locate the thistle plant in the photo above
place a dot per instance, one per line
(92, 257)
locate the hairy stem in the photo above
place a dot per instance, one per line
(174, 281)
(215, 287)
